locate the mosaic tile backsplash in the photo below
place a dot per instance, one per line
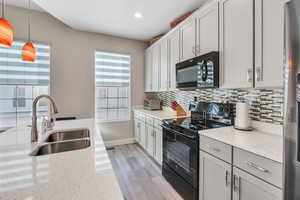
(265, 105)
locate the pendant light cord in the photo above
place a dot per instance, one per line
(28, 20)
(2, 9)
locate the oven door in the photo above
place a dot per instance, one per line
(180, 153)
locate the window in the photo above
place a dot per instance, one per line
(112, 79)
(20, 83)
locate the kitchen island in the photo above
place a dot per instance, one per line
(84, 174)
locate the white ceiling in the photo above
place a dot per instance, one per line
(23, 4)
(116, 17)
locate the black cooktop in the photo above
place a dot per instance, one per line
(193, 124)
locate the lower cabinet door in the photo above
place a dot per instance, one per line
(158, 145)
(150, 140)
(137, 130)
(248, 187)
(143, 136)
(215, 178)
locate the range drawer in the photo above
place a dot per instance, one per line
(266, 169)
(216, 148)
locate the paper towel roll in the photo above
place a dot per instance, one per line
(242, 119)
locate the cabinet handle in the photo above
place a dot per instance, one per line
(140, 135)
(198, 49)
(154, 143)
(258, 74)
(249, 75)
(257, 167)
(236, 184)
(227, 178)
(215, 149)
(194, 51)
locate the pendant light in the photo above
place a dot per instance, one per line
(6, 31)
(28, 50)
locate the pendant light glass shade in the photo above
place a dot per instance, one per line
(28, 52)
(6, 31)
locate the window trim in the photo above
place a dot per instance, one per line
(129, 87)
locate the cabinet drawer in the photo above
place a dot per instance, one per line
(139, 116)
(216, 148)
(261, 167)
(149, 120)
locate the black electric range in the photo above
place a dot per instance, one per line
(181, 144)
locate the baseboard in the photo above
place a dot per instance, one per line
(114, 143)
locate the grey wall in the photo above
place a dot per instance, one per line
(72, 65)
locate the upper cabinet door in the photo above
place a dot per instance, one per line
(173, 58)
(236, 43)
(269, 43)
(188, 39)
(208, 29)
(156, 67)
(164, 66)
(148, 70)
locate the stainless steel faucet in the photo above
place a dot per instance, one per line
(34, 131)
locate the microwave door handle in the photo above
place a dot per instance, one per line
(206, 71)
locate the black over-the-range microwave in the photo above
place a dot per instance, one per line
(198, 72)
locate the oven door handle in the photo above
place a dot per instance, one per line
(178, 133)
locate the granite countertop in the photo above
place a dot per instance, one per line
(74, 175)
(266, 144)
(166, 113)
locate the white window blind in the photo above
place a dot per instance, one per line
(21, 82)
(112, 79)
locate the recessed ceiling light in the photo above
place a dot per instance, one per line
(138, 15)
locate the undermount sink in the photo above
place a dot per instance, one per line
(68, 135)
(58, 147)
(64, 140)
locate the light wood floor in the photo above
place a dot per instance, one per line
(138, 176)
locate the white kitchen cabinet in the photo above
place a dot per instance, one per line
(150, 144)
(157, 154)
(149, 136)
(174, 48)
(137, 130)
(236, 43)
(164, 66)
(214, 177)
(148, 70)
(269, 43)
(143, 135)
(188, 39)
(248, 187)
(208, 29)
(156, 51)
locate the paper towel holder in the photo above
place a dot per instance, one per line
(242, 112)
